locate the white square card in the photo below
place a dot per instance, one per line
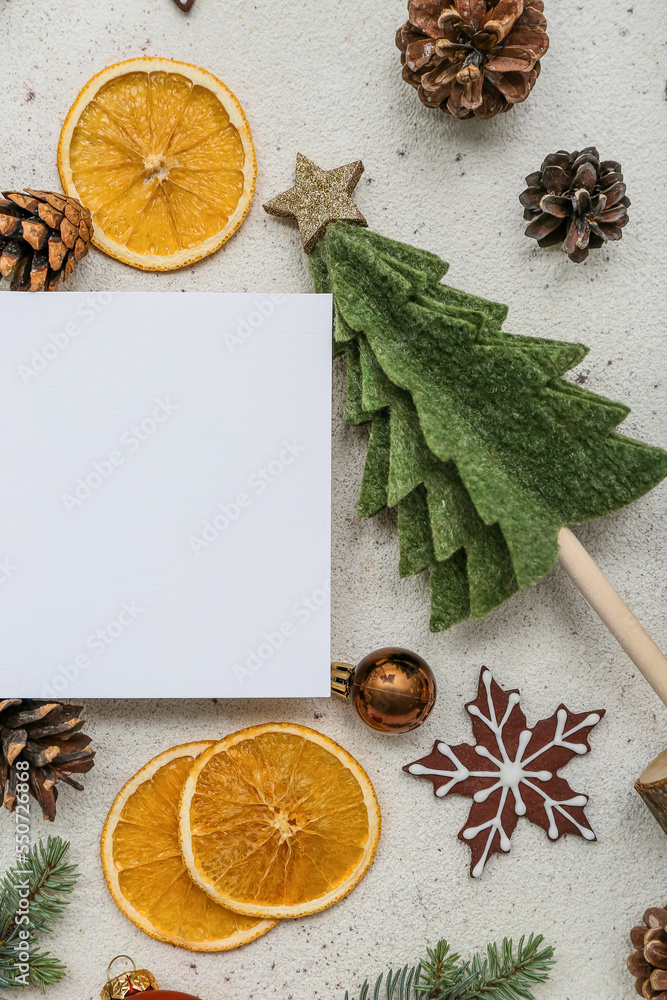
(165, 495)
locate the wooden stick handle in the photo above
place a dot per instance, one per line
(613, 611)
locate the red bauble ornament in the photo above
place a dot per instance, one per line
(392, 689)
(135, 982)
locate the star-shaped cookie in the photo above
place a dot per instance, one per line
(318, 198)
(511, 771)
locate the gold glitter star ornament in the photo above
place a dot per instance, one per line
(318, 198)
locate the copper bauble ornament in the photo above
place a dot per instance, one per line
(392, 689)
(136, 982)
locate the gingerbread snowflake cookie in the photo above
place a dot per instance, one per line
(511, 771)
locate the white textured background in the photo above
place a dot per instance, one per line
(325, 79)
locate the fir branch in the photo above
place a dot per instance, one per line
(440, 972)
(505, 976)
(45, 970)
(501, 975)
(49, 880)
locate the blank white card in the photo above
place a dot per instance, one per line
(165, 484)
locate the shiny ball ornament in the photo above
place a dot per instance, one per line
(392, 689)
(135, 983)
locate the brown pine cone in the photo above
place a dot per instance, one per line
(42, 236)
(575, 200)
(47, 736)
(648, 964)
(473, 58)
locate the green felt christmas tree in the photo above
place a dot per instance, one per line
(476, 438)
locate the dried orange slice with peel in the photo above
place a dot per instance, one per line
(144, 869)
(278, 821)
(161, 154)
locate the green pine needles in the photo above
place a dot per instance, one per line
(479, 442)
(33, 896)
(500, 975)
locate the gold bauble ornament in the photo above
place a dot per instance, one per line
(392, 689)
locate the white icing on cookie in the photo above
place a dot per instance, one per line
(508, 775)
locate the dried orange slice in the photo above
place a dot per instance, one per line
(278, 821)
(160, 152)
(144, 869)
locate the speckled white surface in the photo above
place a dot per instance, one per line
(325, 79)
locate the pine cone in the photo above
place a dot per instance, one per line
(46, 734)
(473, 57)
(648, 964)
(42, 236)
(575, 200)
